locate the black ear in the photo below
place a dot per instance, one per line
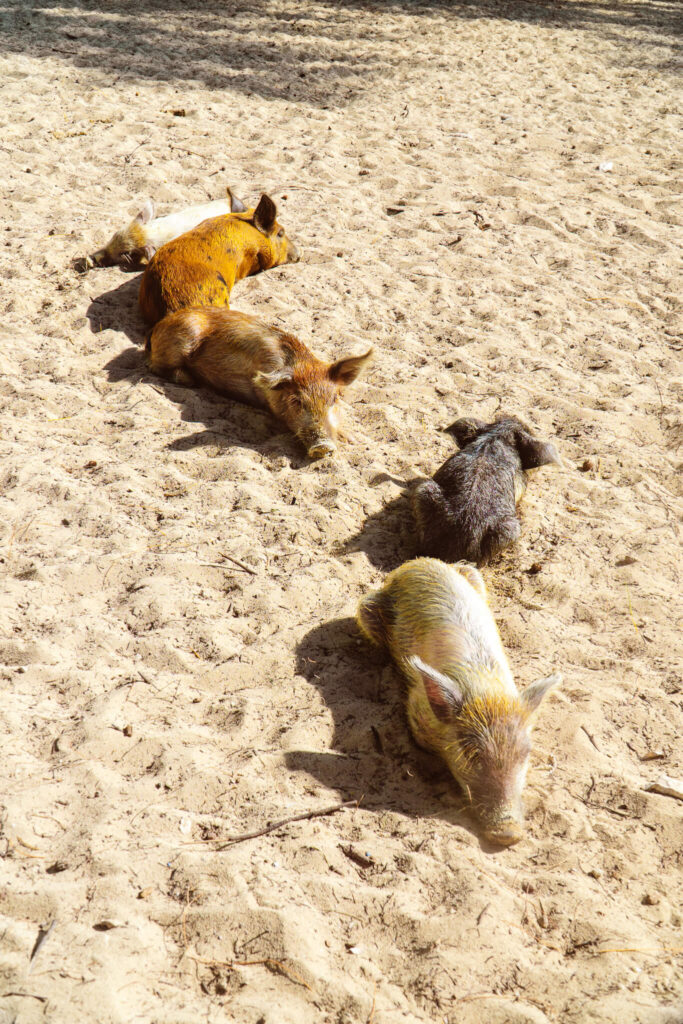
(535, 453)
(265, 214)
(236, 205)
(444, 696)
(465, 430)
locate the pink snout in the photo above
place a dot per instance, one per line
(505, 833)
(322, 448)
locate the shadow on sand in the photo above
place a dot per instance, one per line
(387, 537)
(117, 309)
(322, 54)
(228, 423)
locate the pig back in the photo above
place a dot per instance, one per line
(434, 612)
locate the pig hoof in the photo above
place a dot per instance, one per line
(319, 451)
(505, 835)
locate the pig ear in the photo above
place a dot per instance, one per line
(265, 214)
(444, 696)
(535, 692)
(236, 205)
(465, 430)
(535, 453)
(147, 212)
(273, 380)
(345, 371)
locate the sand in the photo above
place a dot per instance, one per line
(178, 654)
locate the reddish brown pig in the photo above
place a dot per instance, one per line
(245, 358)
(200, 267)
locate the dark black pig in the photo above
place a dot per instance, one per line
(468, 510)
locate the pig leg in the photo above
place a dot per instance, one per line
(370, 618)
(499, 536)
(182, 377)
(431, 512)
(473, 577)
(169, 350)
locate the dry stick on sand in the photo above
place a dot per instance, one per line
(374, 997)
(230, 965)
(226, 841)
(676, 950)
(241, 565)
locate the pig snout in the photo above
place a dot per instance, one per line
(504, 831)
(500, 815)
(320, 448)
(293, 254)
(83, 264)
(316, 428)
(101, 258)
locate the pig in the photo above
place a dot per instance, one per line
(200, 267)
(462, 702)
(468, 510)
(135, 245)
(247, 359)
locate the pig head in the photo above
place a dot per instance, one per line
(485, 741)
(305, 395)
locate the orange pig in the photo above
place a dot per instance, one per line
(200, 267)
(247, 359)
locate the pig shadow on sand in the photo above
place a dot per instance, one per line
(117, 309)
(228, 423)
(373, 758)
(388, 536)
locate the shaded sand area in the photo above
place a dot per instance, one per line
(179, 659)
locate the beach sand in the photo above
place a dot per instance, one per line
(178, 652)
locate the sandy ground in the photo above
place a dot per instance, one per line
(179, 660)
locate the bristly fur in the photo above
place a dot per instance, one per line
(462, 702)
(201, 266)
(468, 510)
(241, 356)
(497, 721)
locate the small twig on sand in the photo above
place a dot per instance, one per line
(666, 786)
(583, 727)
(481, 913)
(43, 935)
(479, 995)
(372, 1009)
(242, 565)
(611, 810)
(241, 837)
(127, 158)
(230, 965)
(648, 952)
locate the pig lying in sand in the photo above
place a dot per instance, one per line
(200, 267)
(245, 358)
(135, 245)
(462, 701)
(467, 511)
